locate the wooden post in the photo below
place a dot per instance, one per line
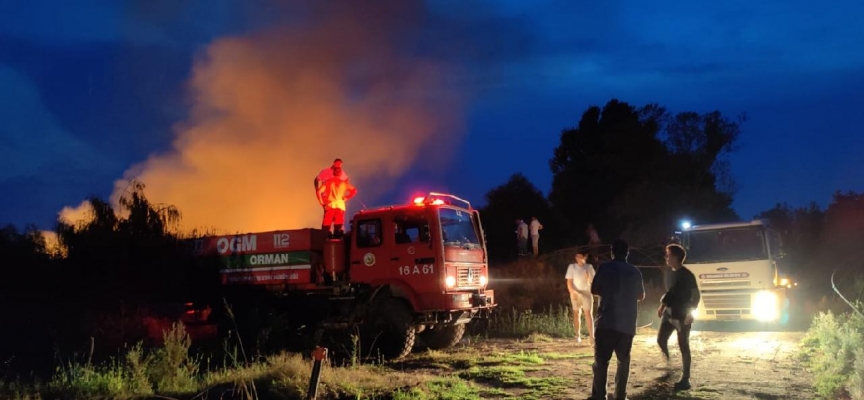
(318, 355)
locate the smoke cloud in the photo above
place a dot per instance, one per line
(269, 110)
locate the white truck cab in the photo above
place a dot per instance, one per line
(735, 265)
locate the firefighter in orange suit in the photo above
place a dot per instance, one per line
(333, 195)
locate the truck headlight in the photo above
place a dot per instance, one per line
(765, 306)
(784, 281)
(482, 280)
(450, 281)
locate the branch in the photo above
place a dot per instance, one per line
(833, 286)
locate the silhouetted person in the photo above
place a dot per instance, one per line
(676, 310)
(535, 228)
(594, 242)
(522, 237)
(619, 286)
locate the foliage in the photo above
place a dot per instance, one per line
(170, 368)
(167, 369)
(516, 199)
(832, 348)
(817, 241)
(130, 253)
(801, 229)
(618, 167)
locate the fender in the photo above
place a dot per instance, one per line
(398, 289)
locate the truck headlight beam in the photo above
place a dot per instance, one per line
(765, 306)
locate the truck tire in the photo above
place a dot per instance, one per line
(388, 331)
(442, 338)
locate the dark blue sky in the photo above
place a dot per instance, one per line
(92, 88)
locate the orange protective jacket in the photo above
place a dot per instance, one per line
(335, 192)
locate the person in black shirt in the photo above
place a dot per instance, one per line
(676, 310)
(620, 288)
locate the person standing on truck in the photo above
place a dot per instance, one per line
(535, 228)
(522, 237)
(676, 310)
(333, 195)
(619, 286)
(579, 276)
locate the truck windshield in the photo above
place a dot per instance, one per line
(725, 245)
(457, 228)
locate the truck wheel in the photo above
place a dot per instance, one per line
(388, 331)
(443, 337)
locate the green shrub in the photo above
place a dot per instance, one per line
(167, 369)
(857, 384)
(170, 368)
(833, 349)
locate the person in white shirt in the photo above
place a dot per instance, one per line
(535, 228)
(522, 237)
(579, 277)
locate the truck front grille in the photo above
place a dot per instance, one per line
(725, 284)
(468, 276)
(734, 301)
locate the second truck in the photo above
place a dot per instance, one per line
(735, 265)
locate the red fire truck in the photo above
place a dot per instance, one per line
(417, 269)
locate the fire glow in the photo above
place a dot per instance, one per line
(270, 110)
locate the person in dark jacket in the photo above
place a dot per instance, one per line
(676, 310)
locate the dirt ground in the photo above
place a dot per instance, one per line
(726, 365)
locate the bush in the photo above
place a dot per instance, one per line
(167, 369)
(834, 351)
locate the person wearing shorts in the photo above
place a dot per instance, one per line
(579, 277)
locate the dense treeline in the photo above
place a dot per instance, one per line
(631, 172)
(93, 283)
(819, 242)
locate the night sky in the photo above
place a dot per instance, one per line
(93, 89)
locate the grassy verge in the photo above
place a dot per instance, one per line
(170, 372)
(497, 374)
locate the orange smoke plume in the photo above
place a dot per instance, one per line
(270, 110)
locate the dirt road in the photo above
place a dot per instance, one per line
(726, 365)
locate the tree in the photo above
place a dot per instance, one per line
(26, 262)
(819, 242)
(129, 254)
(516, 199)
(844, 232)
(634, 172)
(800, 230)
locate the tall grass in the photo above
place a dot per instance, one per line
(555, 321)
(169, 371)
(166, 369)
